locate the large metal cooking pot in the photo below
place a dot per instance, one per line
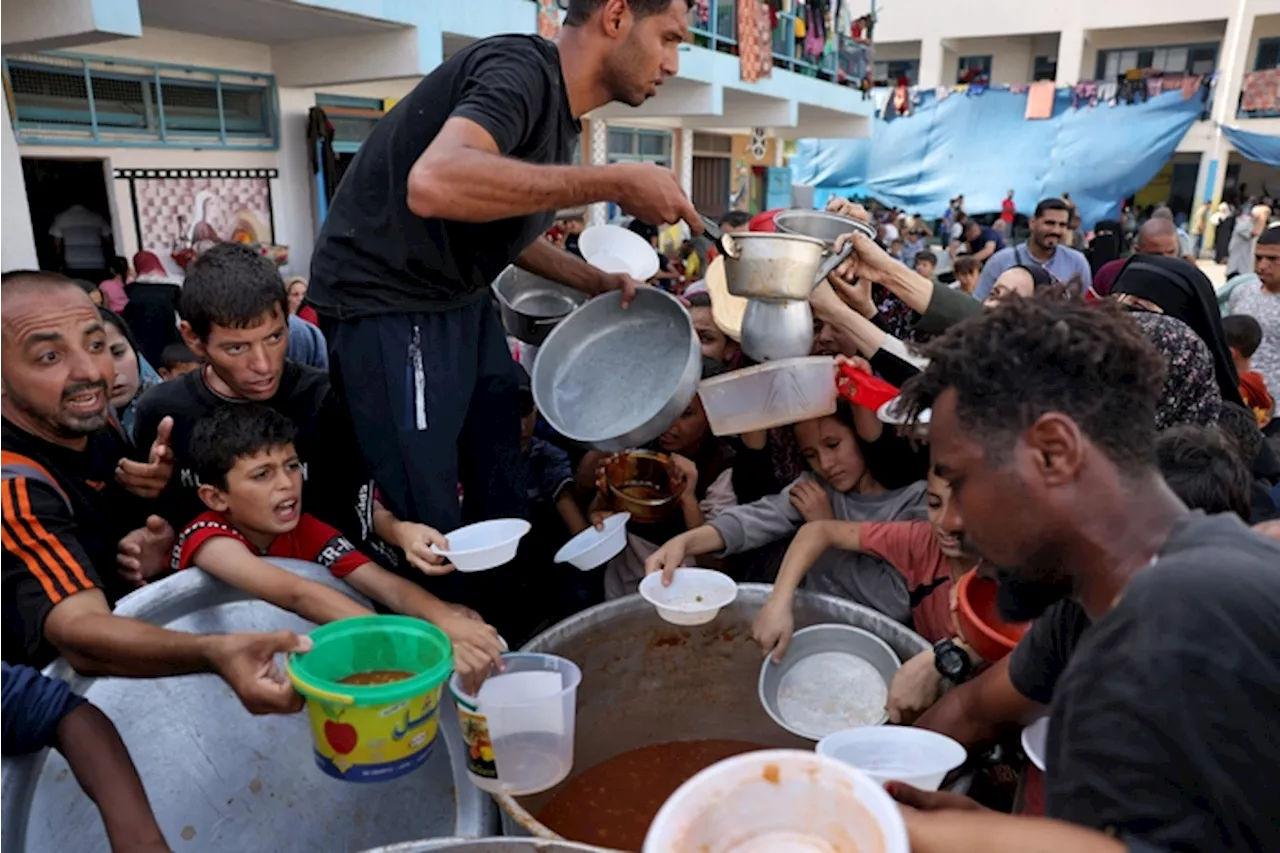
(615, 378)
(773, 266)
(487, 845)
(220, 779)
(531, 306)
(820, 224)
(645, 681)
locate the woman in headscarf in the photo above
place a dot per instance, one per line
(152, 312)
(133, 374)
(1190, 393)
(1176, 288)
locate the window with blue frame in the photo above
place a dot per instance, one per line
(1268, 54)
(75, 99)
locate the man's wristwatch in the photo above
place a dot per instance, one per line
(951, 661)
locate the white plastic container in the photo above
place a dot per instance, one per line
(614, 249)
(519, 728)
(694, 597)
(767, 395)
(778, 800)
(593, 548)
(1035, 742)
(484, 545)
(918, 757)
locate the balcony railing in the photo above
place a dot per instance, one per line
(846, 64)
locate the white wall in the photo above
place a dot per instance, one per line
(158, 45)
(17, 243)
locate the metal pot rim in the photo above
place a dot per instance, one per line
(652, 503)
(773, 235)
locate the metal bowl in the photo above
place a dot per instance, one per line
(776, 330)
(639, 482)
(614, 378)
(773, 266)
(219, 778)
(531, 306)
(820, 224)
(824, 638)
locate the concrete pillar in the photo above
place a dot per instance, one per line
(1212, 176)
(684, 164)
(293, 193)
(598, 155)
(1071, 46)
(932, 74)
(17, 240)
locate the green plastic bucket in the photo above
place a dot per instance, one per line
(371, 733)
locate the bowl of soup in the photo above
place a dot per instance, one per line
(372, 685)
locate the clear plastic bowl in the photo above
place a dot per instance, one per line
(918, 757)
(767, 395)
(593, 548)
(484, 545)
(694, 597)
(776, 800)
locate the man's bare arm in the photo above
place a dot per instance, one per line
(463, 176)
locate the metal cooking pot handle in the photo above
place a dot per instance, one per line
(833, 261)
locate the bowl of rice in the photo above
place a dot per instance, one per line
(834, 677)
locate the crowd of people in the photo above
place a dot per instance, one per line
(1101, 452)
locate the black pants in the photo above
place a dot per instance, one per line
(434, 402)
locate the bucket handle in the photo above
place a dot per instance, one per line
(311, 690)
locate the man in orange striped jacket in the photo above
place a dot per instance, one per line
(69, 495)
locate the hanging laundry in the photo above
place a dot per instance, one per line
(702, 13)
(1107, 93)
(1261, 91)
(1084, 93)
(1190, 86)
(548, 18)
(902, 99)
(1019, 88)
(1154, 87)
(941, 93)
(978, 88)
(755, 43)
(1172, 82)
(1040, 100)
(816, 40)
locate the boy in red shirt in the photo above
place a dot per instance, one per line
(251, 480)
(1244, 335)
(929, 556)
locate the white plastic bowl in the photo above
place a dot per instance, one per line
(694, 597)
(484, 545)
(785, 391)
(1035, 741)
(592, 548)
(615, 249)
(918, 757)
(778, 800)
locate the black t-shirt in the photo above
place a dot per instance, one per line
(59, 540)
(1164, 723)
(376, 256)
(336, 491)
(1038, 661)
(987, 235)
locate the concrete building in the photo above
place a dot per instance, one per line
(1013, 41)
(179, 119)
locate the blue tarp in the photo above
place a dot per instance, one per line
(1258, 147)
(981, 146)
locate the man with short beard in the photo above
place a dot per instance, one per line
(1044, 248)
(69, 496)
(1156, 650)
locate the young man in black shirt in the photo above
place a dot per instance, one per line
(65, 507)
(1159, 656)
(234, 317)
(458, 181)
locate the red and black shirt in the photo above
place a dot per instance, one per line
(312, 540)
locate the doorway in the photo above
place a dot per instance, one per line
(55, 186)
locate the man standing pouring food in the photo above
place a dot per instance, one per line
(459, 180)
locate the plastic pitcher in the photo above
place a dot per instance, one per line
(519, 729)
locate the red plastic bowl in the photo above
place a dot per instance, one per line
(980, 622)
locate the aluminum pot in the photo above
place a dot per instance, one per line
(646, 682)
(774, 330)
(220, 779)
(639, 482)
(615, 378)
(487, 845)
(531, 306)
(820, 224)
(773, 266)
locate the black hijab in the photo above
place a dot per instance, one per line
(1183, 292)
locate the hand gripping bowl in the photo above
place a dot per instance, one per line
(980, 622)
(613, 378)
